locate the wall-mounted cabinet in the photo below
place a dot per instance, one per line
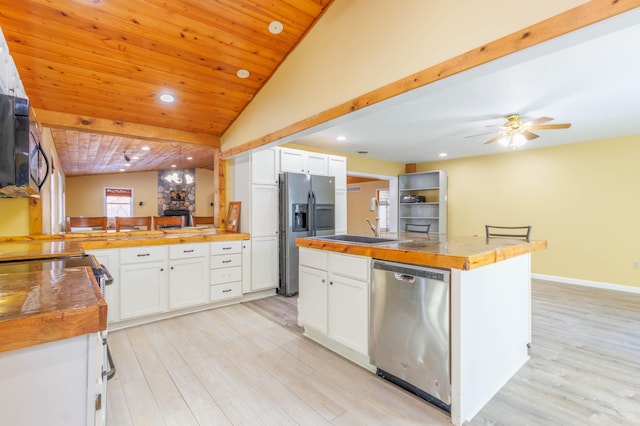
(422, 201)
(298, 161)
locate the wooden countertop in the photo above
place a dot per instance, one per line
(75, 243)
(45, 306)
(436, 250)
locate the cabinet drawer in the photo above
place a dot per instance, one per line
(226, 247)
(226, 275)
(226, 291)
(226, 261)
(143, 254)
(356, 267)
(183, 251)
(313, 258)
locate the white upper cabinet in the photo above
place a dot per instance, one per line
(338, 169)
(264, 166)
(297, 161)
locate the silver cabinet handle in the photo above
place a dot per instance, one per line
(226, 291)
(187, 251)
(143, 254)
(226, 261)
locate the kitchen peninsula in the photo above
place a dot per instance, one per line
(490, 304)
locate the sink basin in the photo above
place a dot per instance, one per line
(357, 239)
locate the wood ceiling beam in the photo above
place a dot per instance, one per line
(61, 120)
(556, 26)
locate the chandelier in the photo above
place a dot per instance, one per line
(179, 176)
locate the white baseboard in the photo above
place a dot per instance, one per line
(587, 283)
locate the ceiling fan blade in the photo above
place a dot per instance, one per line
(494, 139)
(551, 126)
(538, 121)
(481, 134)
(529, 135)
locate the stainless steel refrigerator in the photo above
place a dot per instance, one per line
(307, 208)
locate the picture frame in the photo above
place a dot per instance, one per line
(233, 217)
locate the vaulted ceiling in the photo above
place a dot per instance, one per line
(109, 61)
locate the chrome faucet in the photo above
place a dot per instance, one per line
(374, 206)
(373, 228)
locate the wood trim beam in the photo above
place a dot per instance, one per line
(219, 195)
(563, 23)
(62, 120)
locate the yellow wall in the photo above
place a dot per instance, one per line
(359, 46)
(204, 192)
(85, 193)
(358, 207)
(581, 198)
(14, 217)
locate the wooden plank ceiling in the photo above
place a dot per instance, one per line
(111, 59)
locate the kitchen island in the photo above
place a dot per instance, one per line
(490, 304)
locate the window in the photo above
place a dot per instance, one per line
(118, 202)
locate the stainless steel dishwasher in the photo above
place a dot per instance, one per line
(409, 329)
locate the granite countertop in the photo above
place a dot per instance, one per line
(436, 250)
(45, 306)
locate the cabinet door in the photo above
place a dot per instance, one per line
(293, 160)
(341, 211)
(188, 282)
(312, 302)
(264, 263)
(264, 210)
(317, 164)
(246, 266)
(263, 166)
(143, 289)
(348, 314)
(338, 169)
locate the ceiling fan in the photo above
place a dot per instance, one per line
(515, 133)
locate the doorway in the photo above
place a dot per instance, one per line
(361, 189)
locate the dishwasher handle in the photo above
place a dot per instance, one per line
(405, 277)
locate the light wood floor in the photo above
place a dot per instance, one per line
(248, 364)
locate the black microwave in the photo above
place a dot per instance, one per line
(23, 164)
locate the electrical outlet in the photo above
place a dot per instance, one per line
(635, 264)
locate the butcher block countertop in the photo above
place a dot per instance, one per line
(76, 243)
(45, 306)
(436, 250)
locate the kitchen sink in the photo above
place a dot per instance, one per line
(357, 239)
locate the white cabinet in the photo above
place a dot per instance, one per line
(264, 210)
(334, 299)
(53, 384)
(264, 263)
(422, 200)
(143, 281)
(255, 183)
(188, 275)
(338, 169)
(264, 166)
(226, 270)
(341, 211)
(298, 161)
(313, 301)
(110, 258)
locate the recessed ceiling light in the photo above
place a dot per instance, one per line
(276, 27)
(242, 73)
(127, 165)
(145, 148)
(189, 158)
(167, 98)
(173, 165)
(442, 154)
(122, 170)
(341, 138)
(135, 157)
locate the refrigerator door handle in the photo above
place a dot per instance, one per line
(312, 214)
